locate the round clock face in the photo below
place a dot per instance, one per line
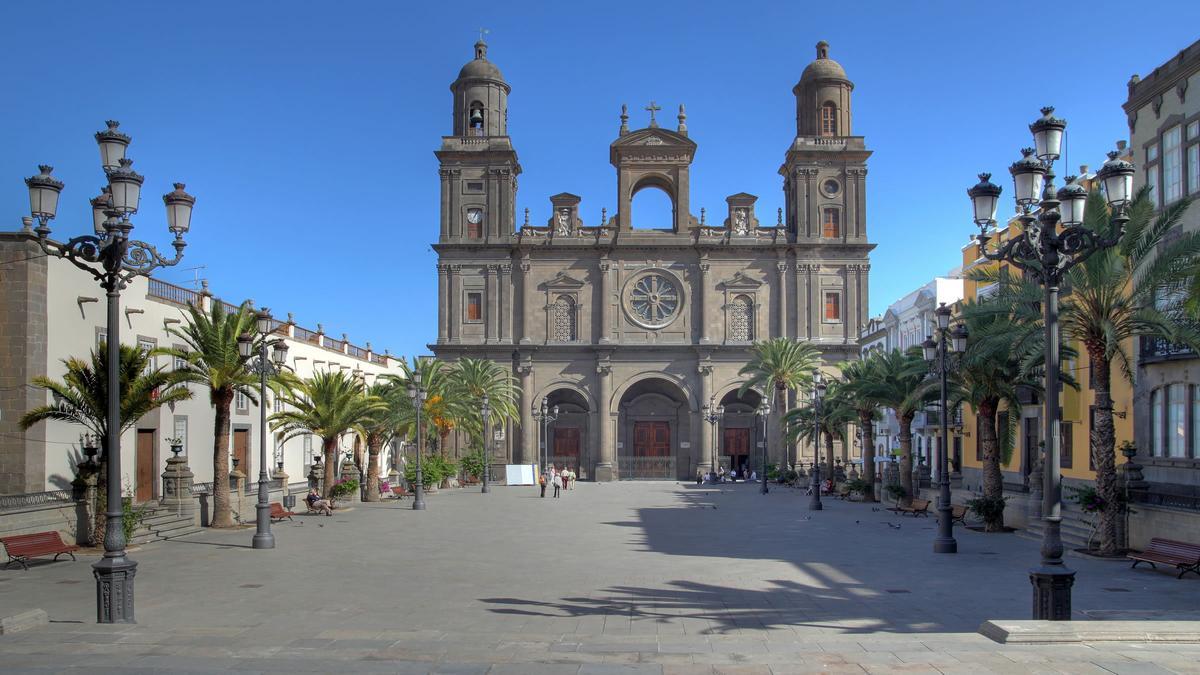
(653, 300)
(831, 187)
(474, 216)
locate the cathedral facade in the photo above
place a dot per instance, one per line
(630, 332)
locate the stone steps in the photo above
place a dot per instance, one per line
(1074, 530)
(163, 523)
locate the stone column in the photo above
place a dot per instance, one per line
(702, 302)
(801, 329)
(814, 302)
(491, 325)
(706, 429)
(606, 300)
(454, 302)
(443, 303)
(529, 451)
(316, 477)
(781, 300)
(605, 467)
(526, 299)
(238, 485)
(504, 290)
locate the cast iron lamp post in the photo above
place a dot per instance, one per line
(938, 354)
(545, 415)
(764, 412)
(713, 414)
(1048, 245)
(486, 414)
(114, 259)
(814, 504)
(265, 368)
(417, 394)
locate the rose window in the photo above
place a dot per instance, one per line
(654, 300)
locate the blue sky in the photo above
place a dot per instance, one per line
(306, 129)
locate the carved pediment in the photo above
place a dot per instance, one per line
(656, 136)
(739, 280)
(562, 281)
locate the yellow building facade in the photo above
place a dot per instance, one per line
(1077, 404)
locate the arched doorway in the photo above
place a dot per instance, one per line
(740, 434)
(655, 432)
(567, 437)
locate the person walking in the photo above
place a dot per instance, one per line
(557, 479)
(542, 479)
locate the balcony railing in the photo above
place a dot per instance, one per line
(1154, 349)
(172, 293)
(20, 501)
(1155, 498)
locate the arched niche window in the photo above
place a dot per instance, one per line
(563, 324)
(831, 224)
(475, 120)
(741, 319)
(829, 119)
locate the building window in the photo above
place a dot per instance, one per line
(475, 120)
(833, 306)
(1172, 165)
(1152, 181)
(741, 319)
(474, 306)
(1067, 437)
(278, 403)
(564, 319)
(241, 402)
(831, 224)
(1176, 422)
(829, 120)
(179, 361)
(1193, 154)
(181, 431)
(1156, 423)
(148, 345)
(1195, 421)
(308, 453)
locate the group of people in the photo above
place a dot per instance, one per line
(560, 480)
(723, 476)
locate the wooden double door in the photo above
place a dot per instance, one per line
(566, 447)
(651, 457)
(736, 444)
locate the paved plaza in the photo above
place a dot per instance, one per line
(612, 578)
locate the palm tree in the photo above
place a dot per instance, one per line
(1115, 296)
(779, 365)
(386, 424)
(326, 405)
(212, 359)
(856, 376)
(837, 412)
(468, 382)
(82, 398)
(898, 383)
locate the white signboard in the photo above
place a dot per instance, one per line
(519, 474)
(684, 444)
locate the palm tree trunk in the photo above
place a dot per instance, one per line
(780, 408)
(989, 445)
(374, 445)
(1102, 441)
(330, 447)
(906, 459)
(222, 515)
(829, 457)
(868, 456)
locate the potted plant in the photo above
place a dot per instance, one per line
(858, 486)
(343, 488)
(990, 510)
(176, 444)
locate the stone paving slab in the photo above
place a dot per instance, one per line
(638, 583)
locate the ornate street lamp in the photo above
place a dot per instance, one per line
(265, 368)
(938, 353)
(114, 260)
(545, 415)
(713, 414)
(1049, 244)
(417, 394)
(814, 504)
(764, 412)
(486, 415)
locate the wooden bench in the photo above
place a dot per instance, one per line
(22, 547)
(279, 513)
(958, 514)
(399, 492)
(1184, 556)
(469, 480)
(919, 507)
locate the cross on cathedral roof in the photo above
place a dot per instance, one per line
(653, 108)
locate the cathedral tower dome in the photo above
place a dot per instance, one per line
(480, 97)
(823, 97)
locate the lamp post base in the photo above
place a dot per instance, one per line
(941, 545)
(114, 589)
(1052, 592)
(263, 538)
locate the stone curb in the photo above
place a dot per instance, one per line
(1068, 632)
(23, 621)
